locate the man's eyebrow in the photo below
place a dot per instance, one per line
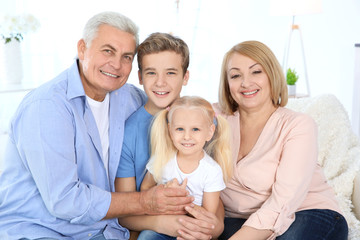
(114, 49)
(109, 46)
(129, 53)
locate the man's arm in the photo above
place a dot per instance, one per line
(156, 200)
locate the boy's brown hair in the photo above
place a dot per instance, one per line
(159, 42)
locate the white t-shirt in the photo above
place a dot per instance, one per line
(207, 177)
(100, 111)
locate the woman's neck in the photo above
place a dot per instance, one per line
(256, 116)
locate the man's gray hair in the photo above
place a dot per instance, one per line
(113, 19)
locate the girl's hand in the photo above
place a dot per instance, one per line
(175, 183)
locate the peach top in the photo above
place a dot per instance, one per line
(279, 176)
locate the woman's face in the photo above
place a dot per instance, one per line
(249, 84)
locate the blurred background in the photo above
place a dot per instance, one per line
(209, 27)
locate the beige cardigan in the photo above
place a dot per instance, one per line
(280, 175)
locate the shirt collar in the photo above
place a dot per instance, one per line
(75, 87)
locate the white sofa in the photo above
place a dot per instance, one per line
(339, 153)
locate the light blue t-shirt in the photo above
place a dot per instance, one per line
(135, 150)
(54, 182)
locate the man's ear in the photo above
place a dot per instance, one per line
(140, 77)
(186, 78)
(81, 47)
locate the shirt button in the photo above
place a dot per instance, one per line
(89, 234)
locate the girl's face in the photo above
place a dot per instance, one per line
(189, 130)
(249, 84)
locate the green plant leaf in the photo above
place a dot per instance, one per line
(291, 76)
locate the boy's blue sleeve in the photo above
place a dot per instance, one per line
(126, 166)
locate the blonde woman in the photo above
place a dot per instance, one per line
(189, 149)
(278, 190)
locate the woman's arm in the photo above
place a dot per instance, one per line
(250, 233)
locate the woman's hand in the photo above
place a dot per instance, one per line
(204, 224)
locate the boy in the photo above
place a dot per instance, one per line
(163, 61)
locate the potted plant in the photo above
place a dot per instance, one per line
(291, 79)
(12, 31)
(12, 28)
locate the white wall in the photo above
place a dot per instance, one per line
(210, 28)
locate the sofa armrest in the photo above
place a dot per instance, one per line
(356, 196)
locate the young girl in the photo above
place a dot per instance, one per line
(190, 148)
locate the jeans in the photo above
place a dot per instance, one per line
(151, 235)
(314, 224)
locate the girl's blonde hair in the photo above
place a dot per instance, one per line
(163, 149)
(262, 54)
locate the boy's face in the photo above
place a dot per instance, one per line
(162, 77)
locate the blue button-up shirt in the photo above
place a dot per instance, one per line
(54, 182)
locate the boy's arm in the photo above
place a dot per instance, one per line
(127, 184)
(147, 182)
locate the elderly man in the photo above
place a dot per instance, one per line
(65, 143)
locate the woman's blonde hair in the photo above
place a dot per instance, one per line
(163, 149)
(262, 54)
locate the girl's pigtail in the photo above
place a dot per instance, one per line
(219, 147)
(161, 145)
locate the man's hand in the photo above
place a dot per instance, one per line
(165, 200)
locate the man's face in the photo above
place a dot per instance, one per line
(106, 64)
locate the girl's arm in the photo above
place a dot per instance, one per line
(211, 201)
(148, 182)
